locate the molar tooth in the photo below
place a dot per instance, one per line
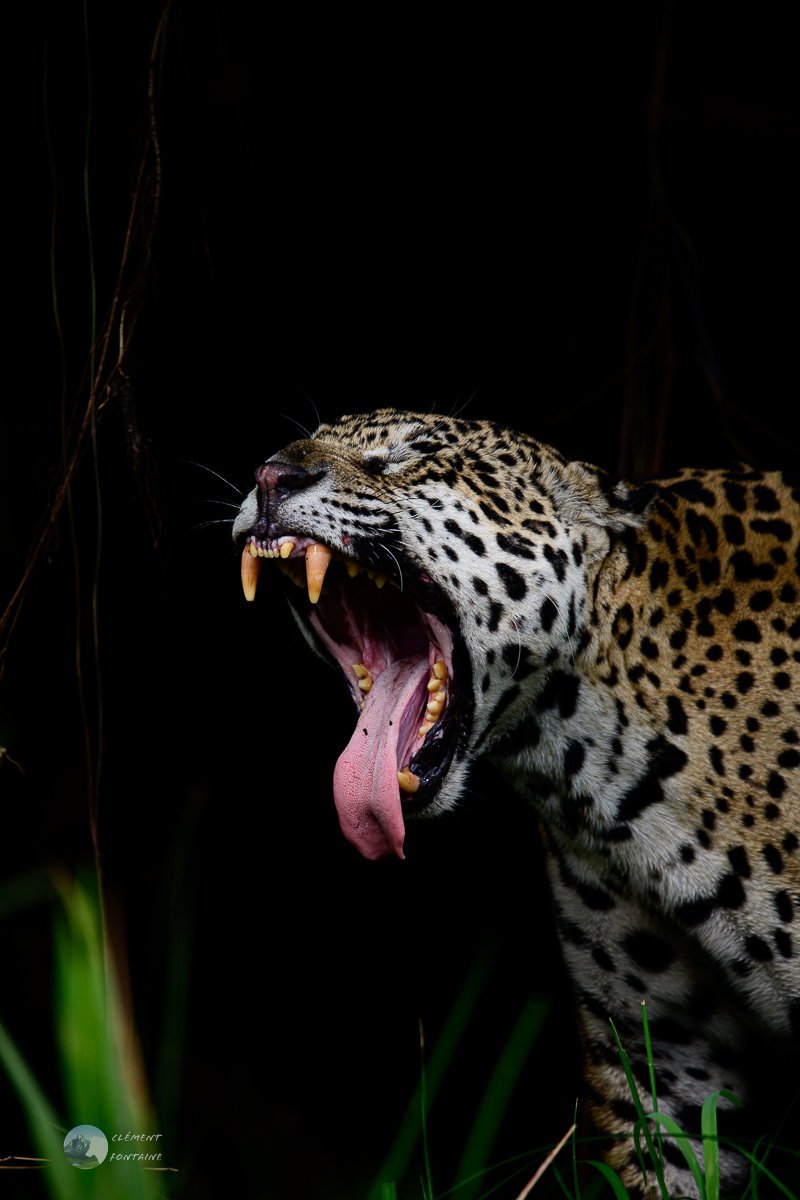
(366, 683)
(409, 782)
(439, 669)
(433, 684)
(360, 670)
(435, 706)
(318, 558)
(380, 580)
(423, 729)
(286, 549)
(371, 574)
(251, 568)
(351, 567)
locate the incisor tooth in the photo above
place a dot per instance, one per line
(251, 568)
(286, 549)
(409, 782)
(252, 548)
(318, 559)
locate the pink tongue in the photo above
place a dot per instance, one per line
(365, 783)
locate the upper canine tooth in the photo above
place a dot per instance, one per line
(318, 558)
(286, 549)
(251, 568)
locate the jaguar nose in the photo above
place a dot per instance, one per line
(275, 475)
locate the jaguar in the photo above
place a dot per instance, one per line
(628, 656)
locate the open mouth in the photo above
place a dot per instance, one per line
(397, 657)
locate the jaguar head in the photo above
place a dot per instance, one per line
(440, 564)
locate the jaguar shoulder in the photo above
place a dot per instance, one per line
(629, 656)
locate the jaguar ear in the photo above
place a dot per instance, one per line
(587, 495)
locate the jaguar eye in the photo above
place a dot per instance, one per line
(374, 466)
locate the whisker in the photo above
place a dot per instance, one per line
(205, 524)
(399, 568)
(313, 405)
(302, 428)
(514, 626)
(202, 468)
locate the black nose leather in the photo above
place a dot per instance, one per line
(276, 475)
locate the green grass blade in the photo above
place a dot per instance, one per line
(98, 1070)
(652, 1078)
(489, 1117)
(424, 1107)
(643, 1120)
(101, 1083)
(611, 1177)
(60, 1179)
(575, 1156)
(564, 1187)
(688, 1153)
(396, 1161)
(708, 1129)
(388, 1191)
(764, 1171)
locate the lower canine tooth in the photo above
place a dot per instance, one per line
(318, 559)
(251, 568)
(409, 782)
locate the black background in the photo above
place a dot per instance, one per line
(389, 207)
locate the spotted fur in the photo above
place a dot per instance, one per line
(633, 664)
